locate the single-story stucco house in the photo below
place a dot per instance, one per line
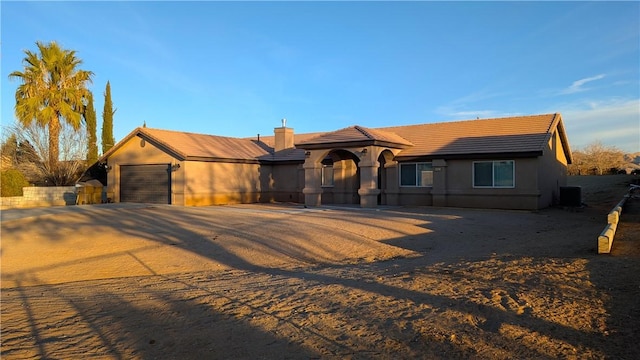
(509, 163)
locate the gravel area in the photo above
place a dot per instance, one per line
(280, 281)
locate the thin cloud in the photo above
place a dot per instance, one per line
(613, 121)
(473, 114)
(477, 96)
(463, 107)
(578, 85)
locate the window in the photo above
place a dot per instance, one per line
(494, 174)
(416, 174)
(327, 175)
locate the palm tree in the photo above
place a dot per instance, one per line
(53, 89)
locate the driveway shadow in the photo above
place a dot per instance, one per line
(360, 310)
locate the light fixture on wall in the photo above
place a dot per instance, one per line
(363, 151)
(307, 153)
(175, 167)
(107, 168)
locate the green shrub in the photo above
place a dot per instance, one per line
(11, 183)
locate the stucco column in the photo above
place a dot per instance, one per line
(368, 184)
(439, 189)
(312, 183)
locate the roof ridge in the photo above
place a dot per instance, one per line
(553, 122)
(467, 121)
(320, 134)
(364, 131)
(195, 133)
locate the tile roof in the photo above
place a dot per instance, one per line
(355, 134)
(486, 136)
(270, 140)
(284, 155)
(521, 134)
(191, 145)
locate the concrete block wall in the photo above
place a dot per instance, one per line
(605, 240)
(41, 196)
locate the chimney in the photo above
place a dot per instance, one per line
(284, 137)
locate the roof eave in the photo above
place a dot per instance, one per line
(467, 156)
(139, 132)
(288, 161)
(118, 145)
(559, 124)
(219, 159)
(349, 144)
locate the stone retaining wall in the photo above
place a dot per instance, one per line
(41, 196)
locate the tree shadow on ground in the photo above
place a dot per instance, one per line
(615, 275)
(98, 321)
(210, 305)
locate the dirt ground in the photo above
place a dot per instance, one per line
(279, 281)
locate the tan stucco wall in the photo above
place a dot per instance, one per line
(458, 190)
(461, 193)
(415, 196)
(285, 182)
(214, 183)
(552, 171)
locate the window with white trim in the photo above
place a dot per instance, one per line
(494, 174)
(416, 174)
(327, 175)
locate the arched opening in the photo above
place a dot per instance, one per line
(340, 178)
(384, 158)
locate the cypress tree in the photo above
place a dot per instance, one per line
(107, 121)
(92, 137)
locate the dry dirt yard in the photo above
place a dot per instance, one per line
(279, 281)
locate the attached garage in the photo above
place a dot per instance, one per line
(508, 163)
(145, 183)
(167, 167)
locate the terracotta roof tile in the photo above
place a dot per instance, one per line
(271, 139)
(522, 134)
(355, 134)
(513, 134)
(206, 146)
(284, 155)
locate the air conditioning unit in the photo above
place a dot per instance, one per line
(570, 196)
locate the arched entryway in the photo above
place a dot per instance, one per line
(385, 159)
(348, 176)
(355, 159)
(340, 178)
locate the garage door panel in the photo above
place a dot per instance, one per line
(145, 183)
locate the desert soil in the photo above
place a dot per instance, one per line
(278, 281)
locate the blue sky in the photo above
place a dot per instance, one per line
(237, 68)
